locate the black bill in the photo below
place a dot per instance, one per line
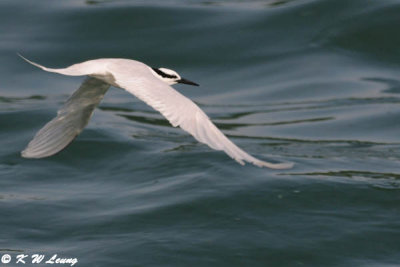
(182, 80)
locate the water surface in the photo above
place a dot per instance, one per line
(314, 82)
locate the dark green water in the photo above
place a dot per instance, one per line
(311, 82)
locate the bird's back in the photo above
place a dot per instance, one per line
(106, 68)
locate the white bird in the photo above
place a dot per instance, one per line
(151, 85)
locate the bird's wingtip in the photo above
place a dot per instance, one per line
(24, 154)
(33, 63)
(21, 56)
(24, 58)
(29, 154)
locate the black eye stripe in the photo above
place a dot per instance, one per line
(163, 74)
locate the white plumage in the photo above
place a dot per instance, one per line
(148, 84)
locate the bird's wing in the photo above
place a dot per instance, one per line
(70, 121)
(181, 111)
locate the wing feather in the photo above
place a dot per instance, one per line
(181, 111)
(73, 116)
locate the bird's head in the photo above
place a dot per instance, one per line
(171, 77)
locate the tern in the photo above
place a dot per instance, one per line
(151, 85)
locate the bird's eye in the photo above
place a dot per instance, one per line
(164, 75)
